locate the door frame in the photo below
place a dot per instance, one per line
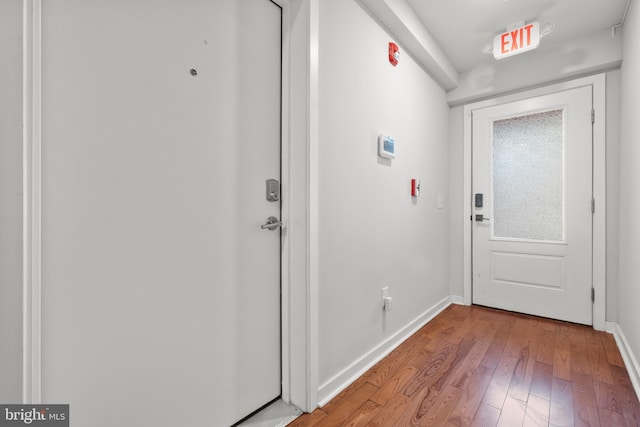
(299, 252)
(299, 171)
(599, 273)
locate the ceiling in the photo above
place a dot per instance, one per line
(462, 27)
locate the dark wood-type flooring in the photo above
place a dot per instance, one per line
(474, 366)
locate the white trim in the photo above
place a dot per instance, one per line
(467, 293)
(599, 272)
(285, 215)
(313, 338)
(347, 376)
(630, 359)
(599, 183)
(32, 328)
(300, 201)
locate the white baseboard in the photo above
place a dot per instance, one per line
(342, 380)
(630, 359)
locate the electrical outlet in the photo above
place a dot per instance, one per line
(386, 299)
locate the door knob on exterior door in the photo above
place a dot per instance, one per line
(273, 223)
(481, 217)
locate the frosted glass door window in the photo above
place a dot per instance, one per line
(528, 177)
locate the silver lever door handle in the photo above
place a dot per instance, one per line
(272, 224)
(480, 217)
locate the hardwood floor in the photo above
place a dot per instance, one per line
(474, 366)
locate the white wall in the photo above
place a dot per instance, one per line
(11, 201)
(371, 233)
(629, 292)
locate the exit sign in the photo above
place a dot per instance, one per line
(517, 40)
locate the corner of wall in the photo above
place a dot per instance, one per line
(629, 175)
(628, 356)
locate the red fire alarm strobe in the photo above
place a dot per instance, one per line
(394, 53)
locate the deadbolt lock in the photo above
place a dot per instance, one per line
(273, 190)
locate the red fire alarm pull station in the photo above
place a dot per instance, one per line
(394, 53)
(415, 187)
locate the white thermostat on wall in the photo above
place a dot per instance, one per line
(386, 147)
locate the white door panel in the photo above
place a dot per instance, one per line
(161, 293)
(532, 163)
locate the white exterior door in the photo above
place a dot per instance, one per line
(532, 216)
(160, 289)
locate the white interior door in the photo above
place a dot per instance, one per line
(532, 217)
(161, 291)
